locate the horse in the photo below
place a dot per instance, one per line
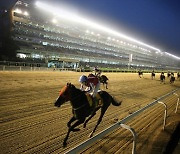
(172, 78)
(140, 73)
(153, 75)
(168, 74)
(162, 77)
(178, 75)
(103, 79)
(97, 72)
(81, 108)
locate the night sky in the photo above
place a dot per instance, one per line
(154, 22)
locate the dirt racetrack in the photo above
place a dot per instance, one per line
(29, 122)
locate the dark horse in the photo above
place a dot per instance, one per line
(153, 75)
(172, 78)
(162, 77)
(140, 73)
(168, 74)
(103, 79)
(81, 107)
(178, 75)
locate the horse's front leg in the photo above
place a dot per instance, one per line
(70, 121)
(69, 124)
(71, 128)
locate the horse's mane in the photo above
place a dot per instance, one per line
(74, 89)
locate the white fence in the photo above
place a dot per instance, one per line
(28, 68)
(126, 119)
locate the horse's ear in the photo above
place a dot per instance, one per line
(72, 86)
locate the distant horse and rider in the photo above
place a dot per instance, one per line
(168, 74)
(97, 71)
(162, 77)
(178, 75)
(172, 78)
(83, 107)
(140, 73)
(153, 75)
(103, 79)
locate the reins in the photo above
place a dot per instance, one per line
(81, 105)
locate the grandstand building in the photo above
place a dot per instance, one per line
(44, 33)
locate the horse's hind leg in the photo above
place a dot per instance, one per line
(71, 128)
(106, 85)
(103, 110)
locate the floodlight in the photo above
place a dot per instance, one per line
(71, 16)
(18, 11)
(54, 21)
(26, 13)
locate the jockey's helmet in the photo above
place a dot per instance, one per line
(83, 78)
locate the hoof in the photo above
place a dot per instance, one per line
(90, 135)
(116, 119)
(64, 144)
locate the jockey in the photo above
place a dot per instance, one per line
(92, 84)
(97, 71)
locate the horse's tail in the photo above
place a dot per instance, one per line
(114, 102)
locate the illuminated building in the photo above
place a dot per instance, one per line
(46, 32)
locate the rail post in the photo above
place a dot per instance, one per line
(177, 102)
(134, 136)
(165, 114)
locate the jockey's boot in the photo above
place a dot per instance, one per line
(97, 100)
(100, 99)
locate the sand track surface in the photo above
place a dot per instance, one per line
(30, 123)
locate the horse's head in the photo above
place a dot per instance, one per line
(64, 95)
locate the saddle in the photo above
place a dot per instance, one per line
(95, 102)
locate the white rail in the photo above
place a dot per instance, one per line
(134, 136)
(165, 113)
(121, 123)
(177, 102)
